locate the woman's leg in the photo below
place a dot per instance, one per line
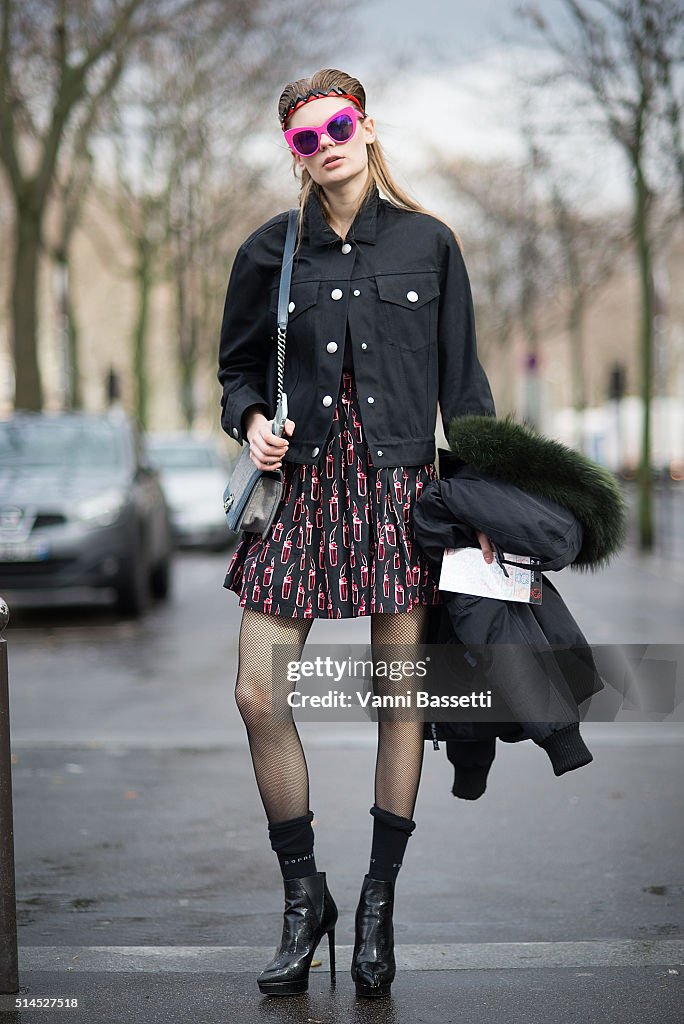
(397, 775)
(277, 754)
(400, 745)
(283, 781)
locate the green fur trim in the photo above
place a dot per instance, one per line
(518, 453)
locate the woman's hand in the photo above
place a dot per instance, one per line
(266, 449)
(486, 545)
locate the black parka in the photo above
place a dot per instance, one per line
(400, 281)
(531, 496)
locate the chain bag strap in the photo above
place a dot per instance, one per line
(252, 496)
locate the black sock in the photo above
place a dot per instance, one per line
(293, 841)
(391, 833)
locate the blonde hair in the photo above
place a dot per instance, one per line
(378, 171)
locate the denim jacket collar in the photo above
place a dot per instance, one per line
(363, 228)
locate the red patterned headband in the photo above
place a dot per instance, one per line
(312, 94)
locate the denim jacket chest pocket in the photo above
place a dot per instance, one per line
(303, 295)
(407, 309)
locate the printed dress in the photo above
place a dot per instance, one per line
(341, 544)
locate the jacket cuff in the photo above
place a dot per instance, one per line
(566, 749)
(472, 760)
(234, 406)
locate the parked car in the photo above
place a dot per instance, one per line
(194, 473)
(81, 507)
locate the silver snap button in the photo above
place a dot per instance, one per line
(364, 345)
(291, 307)
(331, 346)
(379, 451)
(356, 291)
(315, 451)
(327, 399)
(370, 399)
(412, 296)
(336, 293)
(346, 248)
(235, 432)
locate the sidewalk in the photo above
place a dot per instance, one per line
(157, 897)
(545, 894)
(631, 994)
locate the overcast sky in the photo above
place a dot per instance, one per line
(458, 29)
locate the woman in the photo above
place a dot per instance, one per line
(380, 328)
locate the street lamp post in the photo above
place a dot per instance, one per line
(9, 963)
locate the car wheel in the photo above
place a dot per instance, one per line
(133, 588)
(160, 579)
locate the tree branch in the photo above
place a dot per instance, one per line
(8, 146)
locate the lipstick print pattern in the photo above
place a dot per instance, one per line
(342, 543)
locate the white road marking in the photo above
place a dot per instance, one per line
(421, 957)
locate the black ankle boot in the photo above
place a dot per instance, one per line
(373, 967)
(310, 912)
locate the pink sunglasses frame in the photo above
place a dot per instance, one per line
(355, 114)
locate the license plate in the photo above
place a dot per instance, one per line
(23, 551)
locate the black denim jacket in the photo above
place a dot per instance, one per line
(401, 281)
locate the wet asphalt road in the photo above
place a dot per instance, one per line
(138, 824)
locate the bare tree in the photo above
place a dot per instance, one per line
(496, 292)
(669, 63)
(72, 182)
(511, 266)
(589, 247)
(58, 61)
(569, 253)
(181, 126)
(614, 49)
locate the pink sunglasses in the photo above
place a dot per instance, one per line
(341, 127)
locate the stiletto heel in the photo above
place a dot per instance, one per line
(331, 950)
(310, 912)
(373, 966)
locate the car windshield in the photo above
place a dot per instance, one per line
(182, 457)
(49, 443)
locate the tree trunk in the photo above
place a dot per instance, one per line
(507, 383)
(186, 399)
(646, 538)
(579, 401)
(28, 391)
(188, 367)
(186, 342)
(143, 280)
(76, 396)
(68, 331)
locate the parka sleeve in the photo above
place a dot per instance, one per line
(463, 385)
(245, 342)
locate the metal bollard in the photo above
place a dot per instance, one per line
(9, 962)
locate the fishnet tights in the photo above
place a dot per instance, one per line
(277, 755)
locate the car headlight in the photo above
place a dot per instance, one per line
(104, 510)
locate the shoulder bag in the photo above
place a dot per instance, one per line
(252, 496)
